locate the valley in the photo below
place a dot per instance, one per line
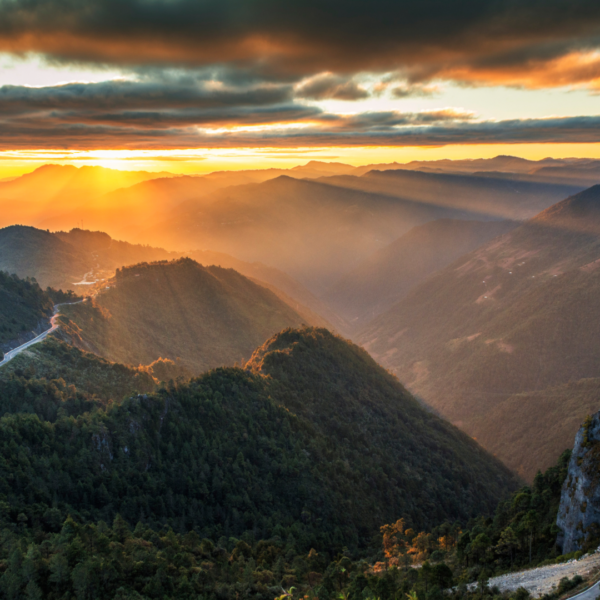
(310, 378)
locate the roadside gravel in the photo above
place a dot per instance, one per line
(542, 580)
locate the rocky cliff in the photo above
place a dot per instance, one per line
(579, 510)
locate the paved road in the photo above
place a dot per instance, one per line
(589, 594)
(54, 326)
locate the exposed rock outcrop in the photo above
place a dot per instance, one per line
(579, 510)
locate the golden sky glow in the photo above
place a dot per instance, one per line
(206, 160)
(191, 87)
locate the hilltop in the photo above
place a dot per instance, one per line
(207, 316)
(518, 315)
(272, 450)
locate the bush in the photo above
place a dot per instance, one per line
(567, 584)
(521, 594)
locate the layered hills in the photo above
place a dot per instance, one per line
(207, 316)
(516, 316)
(386, 276)
(316, 231)
(79, 259)
(122, 203)
(271, 450)
(489, 196)
(54, 189)
(583, 172)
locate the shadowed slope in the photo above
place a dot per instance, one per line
(517, 315)
(23, 307)
(313, 442)
(388, 275)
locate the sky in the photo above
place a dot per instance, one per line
(201, 85)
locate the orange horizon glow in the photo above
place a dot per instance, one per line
(204, 160)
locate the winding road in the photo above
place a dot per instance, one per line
(590, 594)
(54, 326)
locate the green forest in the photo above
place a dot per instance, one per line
(275, 478)
(23, 304)
(72, 559)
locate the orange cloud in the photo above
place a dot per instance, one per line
(576, 69)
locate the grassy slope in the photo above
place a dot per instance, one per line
(519, 314)
(205, 316)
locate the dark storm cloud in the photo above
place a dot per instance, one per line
(127, 116)
(329, 86)
(421, 38)
(178, 93)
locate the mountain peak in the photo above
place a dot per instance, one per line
(579, 213)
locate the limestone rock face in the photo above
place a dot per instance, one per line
(579, 510)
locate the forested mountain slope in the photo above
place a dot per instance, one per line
(387, 275)
(23, 307)
(31, 252)
(64, 259)
(91, 375)
(207, 316)
(518, 315)
(77, 258)
(313, 442)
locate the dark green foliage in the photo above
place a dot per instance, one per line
(60, 297)
(23, 304)
(98, 562)
(53, 359)
(523, 530)
(567, 584)
(235, 453)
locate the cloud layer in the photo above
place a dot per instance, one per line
(208, 73)
(471, 40)
(188, 113)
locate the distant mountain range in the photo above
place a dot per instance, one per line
(286, 219)
(52, 189)
(517, 316)
(316, 231)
